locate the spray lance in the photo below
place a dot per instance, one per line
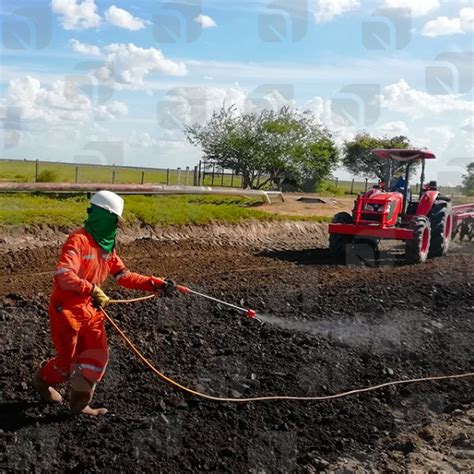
(250, 313)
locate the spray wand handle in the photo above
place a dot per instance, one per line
(250, 313)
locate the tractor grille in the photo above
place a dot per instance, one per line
(372, 217)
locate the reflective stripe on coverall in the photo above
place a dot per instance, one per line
(77, 328)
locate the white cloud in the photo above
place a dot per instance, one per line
(416, 7)
(466, 16)
(142, 139)
(76, 15)
(400, 97)
(128, 64)
(398, 127)
(205, 21)
(57, 103)
(327, 10)
(444, 26)
(468, 125)
(84, 48)
(123, 19)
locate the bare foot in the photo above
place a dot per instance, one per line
(47, 393)
(94, 411)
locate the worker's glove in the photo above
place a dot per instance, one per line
(169, 288)
(99, 298)
(165, 287)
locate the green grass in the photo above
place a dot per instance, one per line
(30, 209)
(25, 171)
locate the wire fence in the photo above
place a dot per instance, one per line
(203, 174)
(46, 171)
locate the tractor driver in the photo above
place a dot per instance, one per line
(88, 257)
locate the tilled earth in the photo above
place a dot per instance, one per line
(329, 328)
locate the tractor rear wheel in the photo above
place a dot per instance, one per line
(441, 228)
(417, 248)
(338, 242)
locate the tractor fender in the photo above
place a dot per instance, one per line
(426, 202)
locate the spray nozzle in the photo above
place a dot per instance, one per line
(251, 313)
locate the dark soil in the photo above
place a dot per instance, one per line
(329, 328)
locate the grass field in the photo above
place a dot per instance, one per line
(29, 209)
(25, 171)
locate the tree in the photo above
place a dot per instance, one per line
(468, 180)
(358, 158)
(272, 148)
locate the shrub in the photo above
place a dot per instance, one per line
(47, 176)
(326, 187)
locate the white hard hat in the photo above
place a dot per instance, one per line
(109, 201)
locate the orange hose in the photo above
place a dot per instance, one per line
(266, 398)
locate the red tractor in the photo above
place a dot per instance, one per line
(424, 222)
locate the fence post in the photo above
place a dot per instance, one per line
(178, 176)
(232, 179)
(113, 174)
(76, 173)
(195, 176)
(167, 177)
(337, 181)
(186, 176)
(199, 174)
(352, 186)
(366, 184)
(36, 170)
(143, 177)
(213, 174)
(222, 178)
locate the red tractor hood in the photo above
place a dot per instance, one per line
(403, 154)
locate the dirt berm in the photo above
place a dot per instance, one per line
(329, 328)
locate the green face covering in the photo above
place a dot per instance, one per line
(102, 225)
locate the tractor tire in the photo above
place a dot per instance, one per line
(417, 249)
(441, 228)
(338, 242)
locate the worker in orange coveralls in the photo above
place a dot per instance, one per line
(77, 324)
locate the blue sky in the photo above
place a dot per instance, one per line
(115, 81)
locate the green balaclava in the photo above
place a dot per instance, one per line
(102, 225)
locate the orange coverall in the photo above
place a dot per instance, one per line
(77, 328)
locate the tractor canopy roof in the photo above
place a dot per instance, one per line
(403, 154)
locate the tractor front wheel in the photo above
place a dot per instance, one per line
(441, 228)
(338, 242)
(418, 247)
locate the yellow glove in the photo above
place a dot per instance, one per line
(99, 298)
